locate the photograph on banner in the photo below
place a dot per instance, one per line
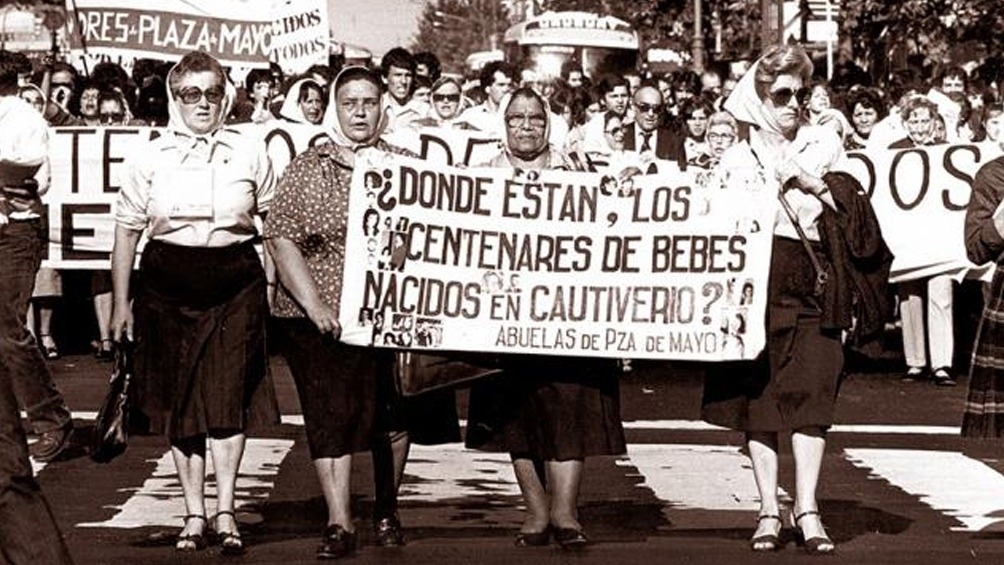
(920, 197)
(446, 146)
(235, 32)
(553, 262)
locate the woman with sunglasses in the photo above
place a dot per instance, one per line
(200, 357)
(791, 387)
(548, 412)
(447, 102)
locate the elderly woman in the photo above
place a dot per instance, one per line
(792, 385)
(304, 103)
(549, 413)
(345, 391)
(200, 340)
(722, 132)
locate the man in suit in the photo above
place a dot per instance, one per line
(645, 134)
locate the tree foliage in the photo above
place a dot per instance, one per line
(453, 29)
(927, 28)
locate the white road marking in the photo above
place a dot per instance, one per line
(159, 502)
(452, 472)
(707, 477)
(955, 485)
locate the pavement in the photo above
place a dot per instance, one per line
(899, 485)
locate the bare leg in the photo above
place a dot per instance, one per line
(763, 454)
(534, 495)
(103, 314)
(333, 473)
(563, 481)
(227, 454)
(190, 461)
(808, 451)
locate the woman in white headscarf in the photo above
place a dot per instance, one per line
(200, 340)
(548, 412)
(792, 386)
(304, 103)
(343, 389)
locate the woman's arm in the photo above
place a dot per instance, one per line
(984, 228)
(792, 175)
(123, 255)
(296, 278)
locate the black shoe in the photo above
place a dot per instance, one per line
(534, 539)
(337, 543)
(570, 538)
(230, 542)
(105, 351)
(51, 443)
(942, 377)
(914, 374)
(388, 532)
(186, 543)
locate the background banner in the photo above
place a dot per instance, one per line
(293, 33)
(441, 258)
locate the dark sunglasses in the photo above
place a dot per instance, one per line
(193, 94)
(648, 108)
(615, 131)
(112, 118)
(446, 97)
(782, 96)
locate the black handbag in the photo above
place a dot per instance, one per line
(111, 428)
(417, 373)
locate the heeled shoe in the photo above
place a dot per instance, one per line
(766, 542)
(816, 545)
(230, 542)
(570, 538)
(534, 539)
(186, 543)
(105, 350)
(50, 352)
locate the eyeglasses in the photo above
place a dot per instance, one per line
(716, 137)
(615, 131)
(193, 94)
(446, 97)
(648, 108)
(782, 96)
(535, 120)
(693, 117)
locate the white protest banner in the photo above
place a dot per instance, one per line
(447, 146)
(86, 166)
(920, 197)
(236, 32)
(442, 258)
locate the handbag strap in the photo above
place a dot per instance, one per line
(820, 272)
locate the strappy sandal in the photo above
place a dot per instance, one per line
(766, 542)
(50, 351)
(816, 545)
(230, 542)
(186, 543)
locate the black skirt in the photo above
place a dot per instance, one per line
(336, 384)
(548, 408)
(429, 418)
(201, 364)
(793, 383)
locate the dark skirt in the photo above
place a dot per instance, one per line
(793, 383)
(336, 384)
(984, 414)
(201, 365)
(429, 418)
(548, 408)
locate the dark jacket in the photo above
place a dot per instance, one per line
(856, 296)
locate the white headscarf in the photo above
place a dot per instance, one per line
(291, 109)
(334, 127)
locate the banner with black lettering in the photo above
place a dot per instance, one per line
(447, 146)
(920, 197)
(243, 33)
(556, 262)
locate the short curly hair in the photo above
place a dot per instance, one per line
(789, 59)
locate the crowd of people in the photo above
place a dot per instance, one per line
(201, 352)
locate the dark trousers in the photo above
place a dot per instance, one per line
(21, 246)
(28, 531)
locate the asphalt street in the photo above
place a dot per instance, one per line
(899, 485)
